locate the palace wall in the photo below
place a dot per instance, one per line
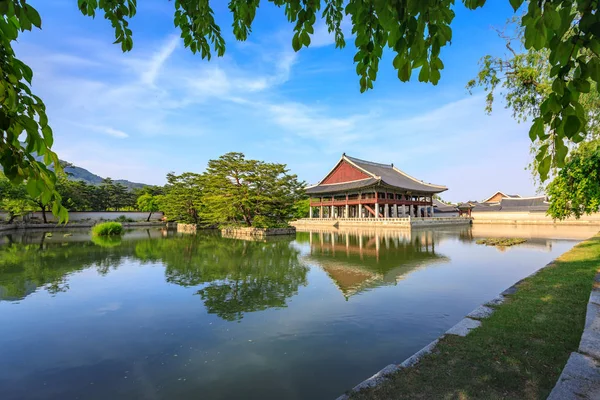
(529, 218)
(92, 216)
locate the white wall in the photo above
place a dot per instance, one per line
(534, 218)
(94, 216)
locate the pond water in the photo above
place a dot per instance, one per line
(157, 315)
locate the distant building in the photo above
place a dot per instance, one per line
(507, 204)
(357, 188)
(498, 196)
(442, 209)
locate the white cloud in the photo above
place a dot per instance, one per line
(115, 132)
(158, 59)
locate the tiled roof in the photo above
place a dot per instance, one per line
(381, 174)
(443, 207)
(342, 187)
(537, 203)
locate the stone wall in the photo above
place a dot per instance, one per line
(87, 224)
(93, 216)
(187, 228)
(529, 218)
(425, 222)
(381, 222)
(257, 232)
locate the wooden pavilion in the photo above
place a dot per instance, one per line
(357, 188)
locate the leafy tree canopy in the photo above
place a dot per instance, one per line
(183, 197)
(415, 31)
(576, 189)
(251, 192)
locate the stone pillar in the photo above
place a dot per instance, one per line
(403, 210)
(360, 211)
(386, 211)
(321, 211)
(347, 215)
(376, 210)
(310, 212)
(432, 211)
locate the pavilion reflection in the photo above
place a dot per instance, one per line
(361, 259)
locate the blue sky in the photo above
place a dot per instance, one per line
(159, 108)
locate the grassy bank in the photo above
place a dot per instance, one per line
(518, 352)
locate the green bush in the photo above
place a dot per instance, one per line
(122, 218)
(107, 229)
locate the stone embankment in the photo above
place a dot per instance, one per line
(580, 379)
(187, 228)
(257, 232)
(403, 223)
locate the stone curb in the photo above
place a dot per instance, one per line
(580, 379)
(462, 328)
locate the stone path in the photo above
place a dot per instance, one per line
(580, 378)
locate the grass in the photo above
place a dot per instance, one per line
(107, 229)
(501, 242)
(518, 352)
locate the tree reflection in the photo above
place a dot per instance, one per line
(234, 277)
(238, 276)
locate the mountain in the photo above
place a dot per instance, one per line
(81, 174)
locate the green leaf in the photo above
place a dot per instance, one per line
(561, 152)
(516, 4)
(33, 16)
(572, 126)
(537, 129)
(558, 86)
(582, 85)
(424, 73)
(544, 168)
(32, 188)
(296, 45)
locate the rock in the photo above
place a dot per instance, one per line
(464, 327)
(409, 362)
(481, 312)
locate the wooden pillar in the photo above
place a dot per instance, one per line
(332, 207)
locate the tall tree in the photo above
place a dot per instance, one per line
(250, 192)
(414, 31)
(148, 203)
(183, 197)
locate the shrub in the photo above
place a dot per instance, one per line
(122, 218)
(107, 229)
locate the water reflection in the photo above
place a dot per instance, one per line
(357, 260)
(233, 276)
